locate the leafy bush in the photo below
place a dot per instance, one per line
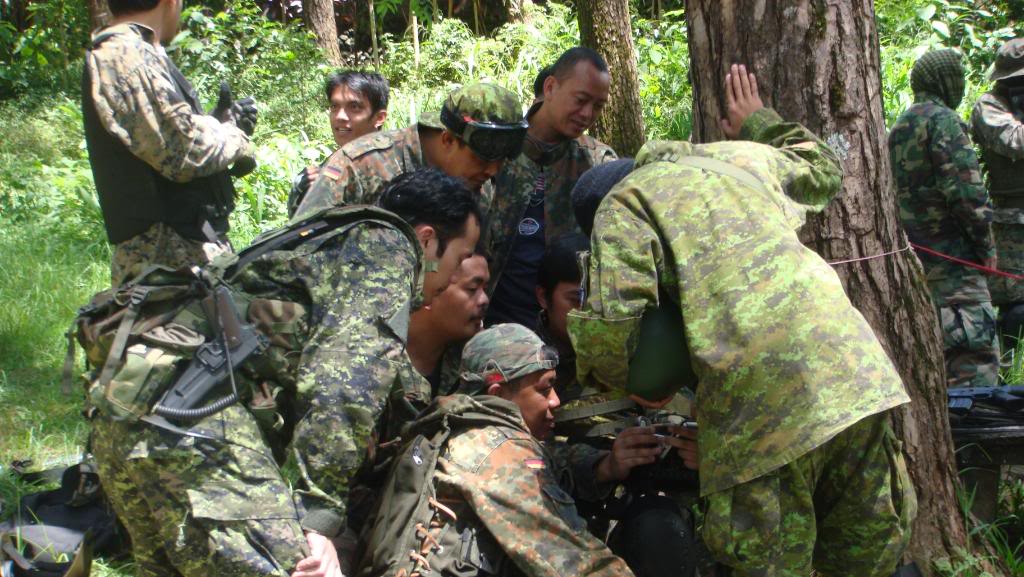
(44, 57)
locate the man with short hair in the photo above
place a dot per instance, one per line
(997, 125)
(798, 463)
(532, 202)
(944, 207)
(161, 165)
(478, 127)
(438, 332)
(358, 105)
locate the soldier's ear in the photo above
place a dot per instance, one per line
(494, 390)
(542, 298)
(550, 83)
(379, 117)
(427, 236)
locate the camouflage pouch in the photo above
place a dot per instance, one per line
(135, 386)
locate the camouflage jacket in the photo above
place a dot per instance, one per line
(784, 360)
(943, 203)
(138, 102)
(502, 482)
(998, 130)
(357, 172)
(516, 182)
(355, 382)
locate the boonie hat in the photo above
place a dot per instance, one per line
(502, 354)
(1009, 60)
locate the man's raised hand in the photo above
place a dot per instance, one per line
(741, 99)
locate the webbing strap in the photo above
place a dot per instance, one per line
(725, 169)
(137, 296)
(594, 410)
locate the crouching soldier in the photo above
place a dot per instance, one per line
(483, 496)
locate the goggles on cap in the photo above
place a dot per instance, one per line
(488, 140)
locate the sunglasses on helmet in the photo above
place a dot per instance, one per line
(488, 140)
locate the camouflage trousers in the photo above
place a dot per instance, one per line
(844, 509)
(160, 244)
(195, 507)
(1010, 249)
(970, 344)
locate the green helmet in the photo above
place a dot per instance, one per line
(502, 354)
(486, 117)
(661, 364)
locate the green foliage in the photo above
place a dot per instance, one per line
(663, 63)
(909, 28)
(45, 56)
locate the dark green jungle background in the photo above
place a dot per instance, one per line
(53, 253)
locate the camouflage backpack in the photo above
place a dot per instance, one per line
(185, 344)
(411, 533)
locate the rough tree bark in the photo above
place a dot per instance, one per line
(817, 61)
(99, 14)
(319, 16)
(605, 27)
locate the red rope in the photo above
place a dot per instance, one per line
(967, 263)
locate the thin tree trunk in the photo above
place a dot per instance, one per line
(415, 41)
(817, 62)
(373, 36)
(99, 14)
(319, 16)
(605, 27)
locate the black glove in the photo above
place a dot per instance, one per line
(242, 166)
(242, 113)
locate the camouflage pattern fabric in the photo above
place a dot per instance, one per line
(161, 244)
(557, 170)
(998, 130)
(195, 507)
(943, 203)
(785, 361)
(939, 73)
(970, 344)
(354, 377)
(809, 513)
(137, 102)
(357, 172)
(506, 489)
(502, 354)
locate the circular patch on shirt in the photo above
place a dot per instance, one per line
(528, 227)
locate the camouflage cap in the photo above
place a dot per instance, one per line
(941, 73)
(479, 102)
(1009, 60)
(502, 354)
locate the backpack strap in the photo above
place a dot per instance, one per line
(725, 169)
(136, 296)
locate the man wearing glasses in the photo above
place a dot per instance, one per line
(477, 129)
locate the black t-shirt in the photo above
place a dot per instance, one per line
(514, 299)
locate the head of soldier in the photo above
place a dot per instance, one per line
(575, 90)
(939, 73)
(1008, 71)
(457, 313)
(479, 127)
(357, 104)
(510, 361)
(445, 217)
(163, 16)
(558, 284)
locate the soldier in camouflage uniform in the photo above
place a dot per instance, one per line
(997, 125)
(478, 128)
(944, 206)
(501, 482)
(212, 502)
(160, 163)
(798, 463)
(531, 203)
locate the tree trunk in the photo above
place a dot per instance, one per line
(319, 16)
(373, 36)
(99, 14)
(817, 62)
(605, 27)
